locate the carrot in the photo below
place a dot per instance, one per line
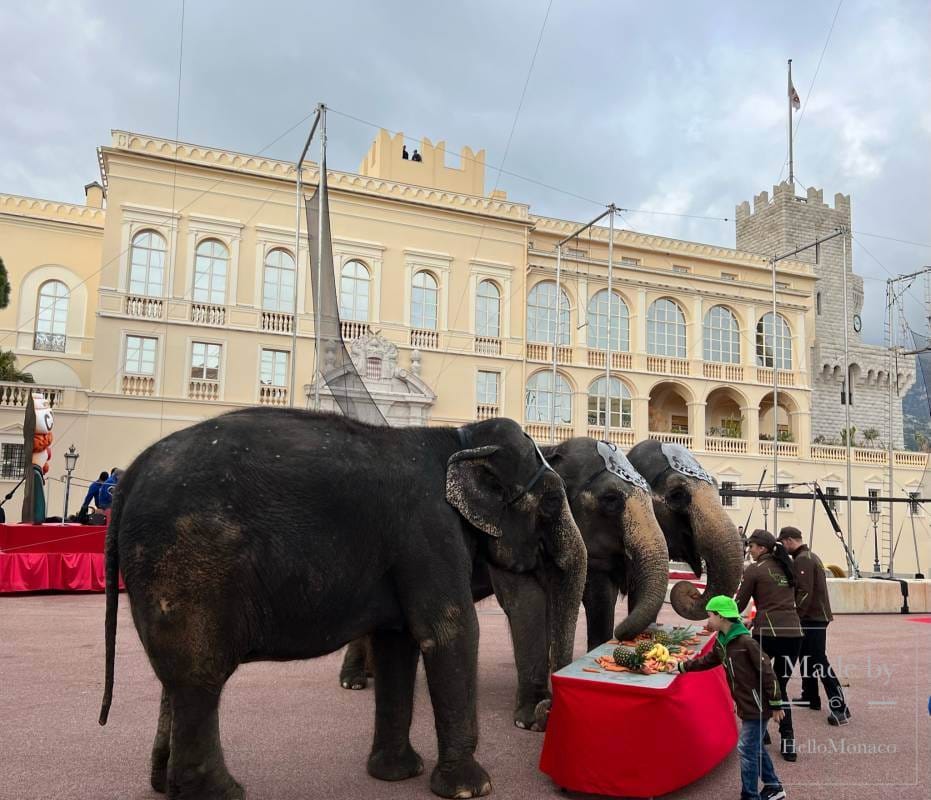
(596, 671)
(615, 668)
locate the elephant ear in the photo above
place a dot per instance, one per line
(473, 487)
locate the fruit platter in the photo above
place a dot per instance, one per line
(657, 650)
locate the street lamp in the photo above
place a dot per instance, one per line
(71, 458)
(874, 518)
(764, 504)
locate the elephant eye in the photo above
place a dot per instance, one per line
(611, 502)
(679, 498)
(551, 503)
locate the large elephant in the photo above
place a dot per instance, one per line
(689, 510)
(612, 506)
(269, 534)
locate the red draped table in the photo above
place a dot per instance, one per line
(63, 557)
(632, 735)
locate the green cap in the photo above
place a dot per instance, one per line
(723, 605)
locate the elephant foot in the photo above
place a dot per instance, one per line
(527, 718)
(217, 785)
(460, 780)
(159, 778)
(395, 767)
(353, 678)
(542, 714)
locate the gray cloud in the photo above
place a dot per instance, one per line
(666, 107)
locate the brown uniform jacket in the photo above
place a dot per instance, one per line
(749, 673)
(811, 587)
(766, 582)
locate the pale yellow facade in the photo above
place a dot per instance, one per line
(177, 310)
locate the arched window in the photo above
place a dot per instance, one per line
(424, 301)
(618, 404)
(278, 281)
(354, 292)
(721, 336)
(52, 317)
(598, 322)
(773, 342)
(665, 329)
(538, 406)
(147, 264)
(541, 314)
(488, 310)
(211, 265)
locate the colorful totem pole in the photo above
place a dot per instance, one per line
(37, 453)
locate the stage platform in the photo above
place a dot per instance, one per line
(51, 557)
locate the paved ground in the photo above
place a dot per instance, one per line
(290, 732)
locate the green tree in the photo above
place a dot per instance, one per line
(4, 286)
(870, 435)
(9, 371)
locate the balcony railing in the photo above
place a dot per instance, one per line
(273, 395)
(203, 390)
(667, 366)
(277, 322)
(485, 411)
(487, 346)
(618, 436)
(544, 352)
(17, 395)
(138, 385)
(788, 449)
(685, 439)
(425, 340)
(541, 431)
(764, 375)
(909, 459)
(205, 314)
(723, 372)
(353, 330)
(599, 358)
(52, 342)
(144, 307)
(725, 444)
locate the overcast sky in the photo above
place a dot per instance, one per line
(670, 106)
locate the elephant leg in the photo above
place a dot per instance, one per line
(599, 600)
(196, 768)
(353, 674)
(392, 757)
(524, 601)
(161, 748)
(452, 668)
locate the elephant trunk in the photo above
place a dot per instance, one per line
(718, 543)
(566, 582)
(649, 567)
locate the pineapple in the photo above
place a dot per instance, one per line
(644, 647)
(627, 658)
(662, 637)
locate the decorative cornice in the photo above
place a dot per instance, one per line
(645, 241)
(338, 181)
(68, 213)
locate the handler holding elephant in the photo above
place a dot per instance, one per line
(770, 581)
(373, 530)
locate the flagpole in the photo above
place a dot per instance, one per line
(791, 159)
(319, 302)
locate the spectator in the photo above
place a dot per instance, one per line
(404, 154)
(92, 491)
(754, 689)
(770, 581)
(105, 493)
(814, 611)
(416, 156)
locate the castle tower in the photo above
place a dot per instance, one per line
(779, 225)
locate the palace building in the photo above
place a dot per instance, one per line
(168, 298)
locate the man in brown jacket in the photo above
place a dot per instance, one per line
(814, 611)
(754, 689)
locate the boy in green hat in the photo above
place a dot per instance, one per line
(754, 689)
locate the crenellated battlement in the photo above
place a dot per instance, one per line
(784, 194)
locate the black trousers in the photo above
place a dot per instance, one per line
(783, 652)
(814, 666)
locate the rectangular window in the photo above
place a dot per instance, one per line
(783, 285)
(576, 253)
(727, 500)
(680, 268)
(631, 262)
(728, 276)
(782, 502)
(274, 367)
(11, 461)
(830, 493)
(874, 504)
(914, 507)
(486, 388)
(205, 361)
(140, 355)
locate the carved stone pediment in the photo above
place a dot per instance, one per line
(373, 351)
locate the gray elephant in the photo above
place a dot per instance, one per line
(288, 534)
(688, 507)
(613, 507)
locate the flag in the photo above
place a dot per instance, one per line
(793, 96)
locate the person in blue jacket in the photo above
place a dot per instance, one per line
(105, 493)
(91, 496)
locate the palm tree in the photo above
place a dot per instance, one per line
(4, 286)
(9, 371)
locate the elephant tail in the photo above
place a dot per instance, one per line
(112, 580)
